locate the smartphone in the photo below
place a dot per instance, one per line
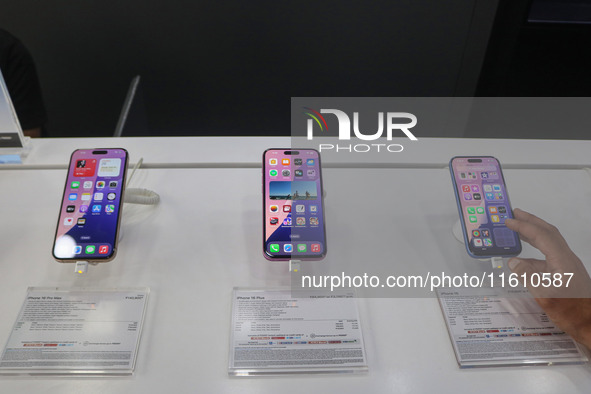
(293, 205)
(90, 212)
(483, 204)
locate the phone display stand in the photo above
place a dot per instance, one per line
(456, 229)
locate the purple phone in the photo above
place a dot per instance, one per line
(293, 209)
(90, 212)
(483, 204)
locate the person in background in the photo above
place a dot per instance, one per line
(568, 307)
(20, 75)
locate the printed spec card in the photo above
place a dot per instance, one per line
(275, 333)
(76, 331)
(495, 329)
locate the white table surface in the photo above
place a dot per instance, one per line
(194, 247)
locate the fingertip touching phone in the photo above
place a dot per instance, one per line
(293, 205)
(483, 205)
(90, 212)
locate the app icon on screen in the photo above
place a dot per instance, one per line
(472, 219)
(499, 196)
(310, 162)
(287, 221)
(301, 221)
(85, 196)
(484, 175)
(90, 249)
(480, 210)
(111, 196)
(485, 233)
(487, 188)
(313, 208)
(103, 249)
(83, 208)
(285, 162)
(88, 184)
(273, 172)
(96, 208)
(467, 196)
(302, 248)
(477, 196)
(109, 208)
(81, 221)
(475, 233)
(493, 210)
(274, 248)
(502, 209)
(70, 208)
(477, 242)
(314, 221)
(300, 208)
(272, 162)
(471, 210)
(287, 208)
(100, 184)
(299, 173)
(73, 196)
(113, 184)
(77, 249)
(466, 188)
(274, 208)
(68, 221)
(288, 248)
(489, 196)
(495, 218)
(297, 162)
(75, 185)
(475, 189)
(98, 196)
(315, 248)
(286, 173)
(496, 188)
(273, 221)
(487, 242)
(311, 173)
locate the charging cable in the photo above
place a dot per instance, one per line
(140, 196)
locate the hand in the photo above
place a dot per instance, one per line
(568, 307)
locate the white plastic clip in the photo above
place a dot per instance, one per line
(294, 265)
(497, 262)
(81, 267)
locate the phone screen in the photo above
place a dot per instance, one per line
(484, 205)
(293, 205)
(91, 205)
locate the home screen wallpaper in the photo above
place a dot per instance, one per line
(293, 217)
(485, 206)
(91, 205)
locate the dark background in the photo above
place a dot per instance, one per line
(231, 67)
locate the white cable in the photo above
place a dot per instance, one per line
(141, 196)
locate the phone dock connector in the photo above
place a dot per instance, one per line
(81, 267)
(294, 265)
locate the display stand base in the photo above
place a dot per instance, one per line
(10, 155)
(456, 229)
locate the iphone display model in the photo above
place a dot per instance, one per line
(90, 211)
(293, 206)
(483, 205)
